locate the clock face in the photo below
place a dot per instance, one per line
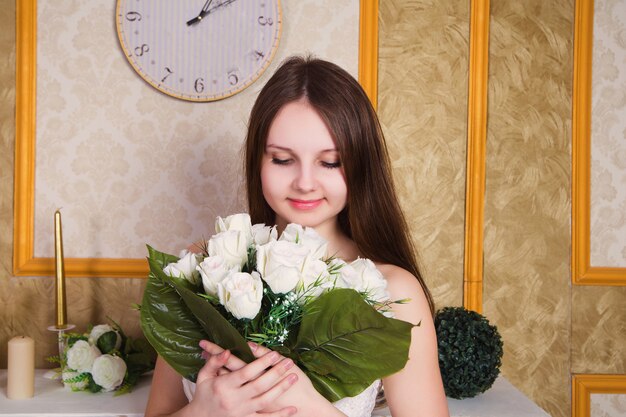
(199, 50)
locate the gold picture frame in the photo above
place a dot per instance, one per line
(24, 261)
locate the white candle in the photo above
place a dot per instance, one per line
(21, 368)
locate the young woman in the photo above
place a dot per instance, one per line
(316, 156)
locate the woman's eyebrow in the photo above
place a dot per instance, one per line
(286, 149)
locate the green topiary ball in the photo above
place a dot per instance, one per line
(470, 351)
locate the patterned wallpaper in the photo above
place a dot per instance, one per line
(130, 165)
(608, 405)
(423, 64)
(608, 135)
(527, 200)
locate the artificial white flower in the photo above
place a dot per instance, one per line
(232, 246)
(262, 234)
(281, 264)
(81, 355)
(213, 270)
(108, 372)
(185, 267)
(66, 376)
(101, 329)
(363, 276)
(315, 278)
(241, 293)
(307, 237)
(239, 222)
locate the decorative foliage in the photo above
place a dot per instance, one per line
(470, 351)
(103, 359)
(248, 284)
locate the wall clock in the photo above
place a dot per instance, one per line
(199, 50)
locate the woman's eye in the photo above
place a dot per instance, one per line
(331, 164)
(278, 161)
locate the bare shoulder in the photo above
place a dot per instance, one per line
(403, 285)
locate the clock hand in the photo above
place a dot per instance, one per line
(203, 12)
(206, 10)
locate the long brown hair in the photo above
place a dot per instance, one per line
(372, 217)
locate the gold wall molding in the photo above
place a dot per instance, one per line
(368, 49)
(476, 143)
(24, 261)
(583, 385)
(582, 271)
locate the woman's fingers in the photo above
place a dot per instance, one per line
(267, 399)
(274, 377)
(285, 412)
(212, 366)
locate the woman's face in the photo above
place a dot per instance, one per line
(301, 173)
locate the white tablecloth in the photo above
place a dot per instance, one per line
(52, 400)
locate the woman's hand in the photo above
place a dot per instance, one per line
(308, 400)
(244, 391)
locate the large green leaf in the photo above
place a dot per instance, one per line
(217, 328)
(168, 324)
(346, 344)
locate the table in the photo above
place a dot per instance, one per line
(502, 399)
(52, 400)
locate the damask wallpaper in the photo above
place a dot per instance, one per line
(130, 165)
(608, 135)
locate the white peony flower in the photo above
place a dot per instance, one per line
(232, 246)
(184, 268)
(363, 276)
(81, 355)
(108, 372)
(239, 222)
(281, 264)
(306, 237)
(66, 376)
(240, 293)
(101, 329)
(213, 270)
(262, 234)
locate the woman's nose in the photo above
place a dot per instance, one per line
(305, 180)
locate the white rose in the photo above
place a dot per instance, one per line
(238, 222)
(213, 270)
(240, 293)
(262, 234)
(363, 276)
(231, 245)
(306, 237)
(280, 264)
(101, 329)
(81, 355)
(185, 267)
(108, 372)
(315, 272)
(66, 376)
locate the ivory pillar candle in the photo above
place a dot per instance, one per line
(21, 368)
(61, 309)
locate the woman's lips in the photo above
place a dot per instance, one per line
(304, 204)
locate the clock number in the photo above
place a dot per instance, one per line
(199, 85)
(169, 72)
(140, 50)
(233, 79)
(258, 55)
(263, 21)
(133, 16)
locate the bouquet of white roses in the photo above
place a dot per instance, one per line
(104, 359)
(248, 284)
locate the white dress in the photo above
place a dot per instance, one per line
(358, 406)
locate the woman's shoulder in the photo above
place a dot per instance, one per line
(403, 285)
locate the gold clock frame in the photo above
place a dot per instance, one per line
(24, 261)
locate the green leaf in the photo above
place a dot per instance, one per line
(106, 342)
(169, 326)
(345, 344)
(217, 328)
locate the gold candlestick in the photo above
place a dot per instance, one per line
(61, 310)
